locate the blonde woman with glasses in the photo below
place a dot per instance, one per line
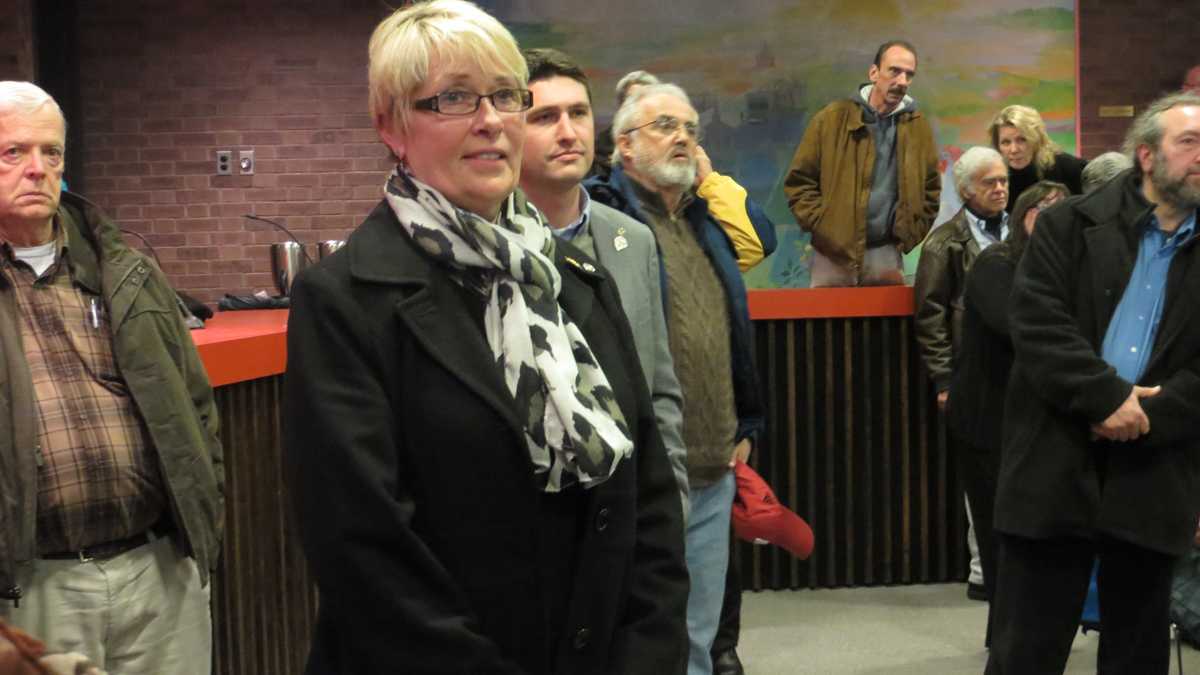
(480, 483)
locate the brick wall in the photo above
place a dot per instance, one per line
(16, 40)
(166, 85)
(1130, 53)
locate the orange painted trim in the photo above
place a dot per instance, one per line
(826, 303)
(249, 345)
(245, 345)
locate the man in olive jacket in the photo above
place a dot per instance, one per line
(864, 181)
(1101, 452)
(111, 475)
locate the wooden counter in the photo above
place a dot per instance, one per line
(264, 603)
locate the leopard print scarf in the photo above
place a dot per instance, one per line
(574, 430)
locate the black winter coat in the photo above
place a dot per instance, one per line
(1055, 480)
(432, 549)
(985, 359)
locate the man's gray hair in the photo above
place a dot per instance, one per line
(637, 78)
(623, 121)
(970, 163)
(1103, 169)
(1147, 128)
(25, 98)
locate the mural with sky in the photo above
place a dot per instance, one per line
(757, 71)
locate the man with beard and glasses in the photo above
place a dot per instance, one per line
(653, 180)
(1099, 460)
(864, 181)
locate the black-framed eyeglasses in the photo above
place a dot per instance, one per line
(667, 125)
(460, 102)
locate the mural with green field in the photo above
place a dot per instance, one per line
(757, 71)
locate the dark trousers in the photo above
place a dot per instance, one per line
(731, 607)
(1040, 594)
(980, 468)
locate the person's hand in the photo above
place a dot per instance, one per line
(70, 664)
(943, 398)
(741, 452)
(1129, 421)
(703, 165)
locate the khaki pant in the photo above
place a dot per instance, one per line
(143, 612)
(882, 266)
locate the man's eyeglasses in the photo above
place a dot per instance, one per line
(667, 125)
(459, 102)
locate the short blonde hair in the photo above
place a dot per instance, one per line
(1029, 122)
(404, 44)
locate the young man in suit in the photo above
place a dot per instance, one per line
(559, 148)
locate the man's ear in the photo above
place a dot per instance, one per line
(394, 139)
(625, 147)
(873, 73)
(1145, 158)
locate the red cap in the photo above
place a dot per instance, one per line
(758, 515)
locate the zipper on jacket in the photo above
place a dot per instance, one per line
(37, 455)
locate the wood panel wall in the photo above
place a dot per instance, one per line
(264, 602)
(856, 446)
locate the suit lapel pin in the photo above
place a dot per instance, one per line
(620, 242)
(585, 266)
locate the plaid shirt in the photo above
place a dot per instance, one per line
(98, 477)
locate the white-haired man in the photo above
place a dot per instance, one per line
(981, 180)
(110, 466)
(656, 133)
(1099, 459)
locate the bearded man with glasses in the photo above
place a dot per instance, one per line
(654, 180)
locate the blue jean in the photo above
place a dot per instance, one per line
(707, 560)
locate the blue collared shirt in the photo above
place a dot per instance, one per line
(981, 235)
(1130, 335)
(573, 228)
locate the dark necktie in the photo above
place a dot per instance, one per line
(992, 225)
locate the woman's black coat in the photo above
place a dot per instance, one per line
(432, 549)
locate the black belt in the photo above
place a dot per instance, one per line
(107, 550)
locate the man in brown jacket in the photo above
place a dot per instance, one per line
(864, 181)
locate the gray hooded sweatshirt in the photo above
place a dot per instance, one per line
(881, 203)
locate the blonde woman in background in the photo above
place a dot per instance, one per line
(1019, 134)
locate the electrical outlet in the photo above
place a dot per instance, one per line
(224, 162)
(246, 161)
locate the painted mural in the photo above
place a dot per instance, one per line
(758, 70)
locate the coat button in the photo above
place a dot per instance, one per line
(602, 519)
(582, 637)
